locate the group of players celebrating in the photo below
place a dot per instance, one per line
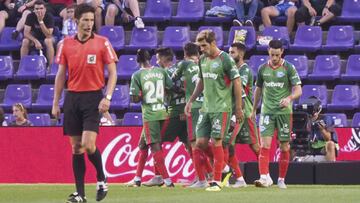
(206, 101)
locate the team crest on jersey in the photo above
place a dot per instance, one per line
(91, 59)
(280, 74)
(217, 125)
(215, 65)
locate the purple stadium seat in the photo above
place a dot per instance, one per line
(115, 34)
(8, 117)
(6, 67)
(318, 91)
(176, 37)
(277, 32)
(143, 38)
(345, 97)
(135, 106)
(126, 66)
(32, 67)
(214, 3)
(301, 64)
(132, 119)
(157, 11)
(53, 71)
(307, 38)
(7, 43)
(189, 11)
(250, 40)
(121, 97)
(352, 68)
(17, 94)
(339, 119)
(255, 61)
(356, 120)
(218, 34)
(40, 119)
(339, 38)
(45, 98)
(326, 67)
(153, 60)
(350, 11)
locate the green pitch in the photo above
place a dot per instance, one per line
(119, 193)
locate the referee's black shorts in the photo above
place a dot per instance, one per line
(81, 112)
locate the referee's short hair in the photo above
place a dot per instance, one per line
(83, 8)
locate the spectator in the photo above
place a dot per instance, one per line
(20, 114)
(328, 9)
(24, 8)
(282, 8)
(58, 7)
(123, 11)
(250, 6)
(2, 118)
(106, 119)
(6, 11)
(38, 31)
(69, 23)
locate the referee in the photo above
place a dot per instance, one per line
(84, 57)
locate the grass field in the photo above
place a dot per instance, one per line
(119, 193)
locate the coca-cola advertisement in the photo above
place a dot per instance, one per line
(43, 155)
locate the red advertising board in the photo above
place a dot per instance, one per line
(43, 155)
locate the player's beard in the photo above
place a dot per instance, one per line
(237, 59)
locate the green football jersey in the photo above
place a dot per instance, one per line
(150, 84)
(217, 74)
(187, 72)
(176, 101)
(276, 84)
(247, 81)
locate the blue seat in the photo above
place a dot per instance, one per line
(352, 68)
(339, 119)
(115, 34)
(126, 66)
(276, 32)
(230, 3)
(8, 117)
(132, 119)
(175, 37)
(356, 120)
(32, 67)
(250, 40)
(45, 98)
(157, 11)
(121, 98)
(189, 11)
(53, 71)
(143, 38)
(7, 43)
(301, 64)
(326, 67)
(350, 11)
(218, 34)
(135, 106)
(345, 97)
(6, 67)
(39, 119)
(17, 94)
(339, 38)
(319, 91)
(307, 39)
(256, 61)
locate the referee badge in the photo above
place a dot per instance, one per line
(91, 59)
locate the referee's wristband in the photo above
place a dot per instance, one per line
(108, 97)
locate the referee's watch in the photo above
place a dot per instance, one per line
(108, 97)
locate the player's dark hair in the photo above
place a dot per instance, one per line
(39, 2)
(83, 8)
(143, 56)
(239, 46)
(165, 52)
(207, 35)
(275, 44)
(191, 49)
